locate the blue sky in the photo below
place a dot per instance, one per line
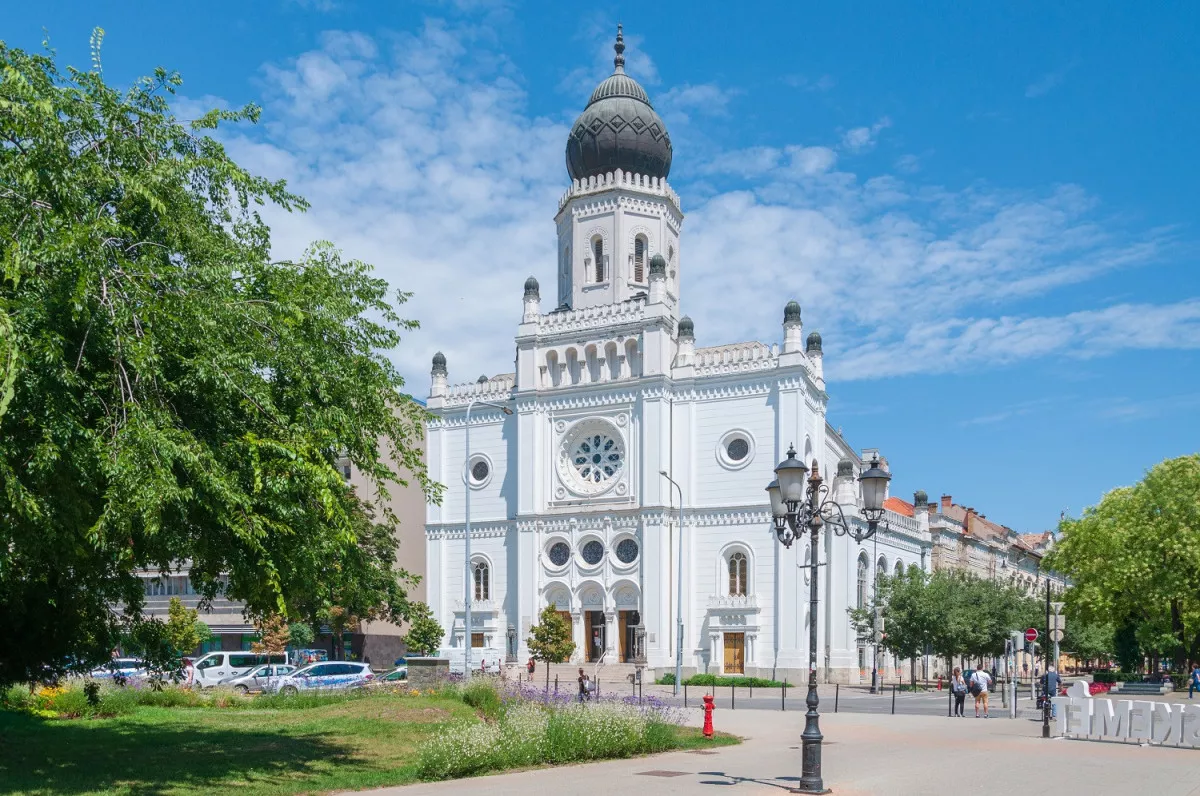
(988, 211)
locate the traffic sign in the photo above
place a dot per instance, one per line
(1057, 607)
(1031, 634)
(1056, 635)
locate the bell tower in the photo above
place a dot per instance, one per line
(619, 211)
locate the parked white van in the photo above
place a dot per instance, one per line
(211, 669)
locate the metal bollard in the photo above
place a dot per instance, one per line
(733, 697)
(893, 700)
(837, 693)
(950, 702)
(783, 696)
(752, 690)
(685, 695)
(556, 683)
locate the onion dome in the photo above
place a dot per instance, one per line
(845, 467)
(482, 380)
(814, 343)
(531, 288)
(920, 498)
(439, 363)
(618, 129)
(791, 313)
(658, 266)
(686, 328)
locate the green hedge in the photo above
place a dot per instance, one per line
(715, 680)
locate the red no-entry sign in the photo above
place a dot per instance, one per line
(1031, 634)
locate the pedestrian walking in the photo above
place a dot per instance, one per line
(1050, 684)
(1194, 680)
(530, 666)
(958, 687)
(585, 686)
(980, 681)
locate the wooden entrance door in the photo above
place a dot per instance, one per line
(622, 624)
(735, 653)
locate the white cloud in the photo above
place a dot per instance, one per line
(598, 35)
(678, 103)
(908, 164)
(420, 155)
(861, 139)
(1049, 81)
(822, 83)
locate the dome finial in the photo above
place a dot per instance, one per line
(619, 61)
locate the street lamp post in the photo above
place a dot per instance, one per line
(679, 589)
(796, 509)
(467, 579)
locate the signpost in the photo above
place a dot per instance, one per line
(1031, 634)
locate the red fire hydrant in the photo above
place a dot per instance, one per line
(708, 709)
(939, 682)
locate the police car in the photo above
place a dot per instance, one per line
(326, 676)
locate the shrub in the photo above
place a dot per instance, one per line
(718, 680)
(482, 694)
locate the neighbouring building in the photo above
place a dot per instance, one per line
(569, 506)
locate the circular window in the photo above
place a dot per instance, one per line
(735, 449)
(560, 553)
(479, 471)
(593, 552)
(627, 551)
(592, 457)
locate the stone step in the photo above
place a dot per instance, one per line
(1141, 688)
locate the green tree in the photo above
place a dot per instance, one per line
(425, 633)
(171, 392)
(182, 629)
(1134, 560)
(1088, 641)
(550, 639)
(300, 634)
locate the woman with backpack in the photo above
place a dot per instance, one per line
(958, 687)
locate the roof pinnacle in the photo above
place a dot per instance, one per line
(619, 61)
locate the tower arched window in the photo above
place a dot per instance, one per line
(737, 575)
(598, 254)
(639, 259)
(483, 585)
(861, 599)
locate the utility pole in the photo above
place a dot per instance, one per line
(1046, 671)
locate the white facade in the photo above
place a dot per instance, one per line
(567, 502)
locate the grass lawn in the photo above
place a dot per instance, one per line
(360, 743)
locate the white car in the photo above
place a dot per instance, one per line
(327, 676)
(217, 667)
(120, 667)
(264, 678)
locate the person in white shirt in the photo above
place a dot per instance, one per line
(980, 681)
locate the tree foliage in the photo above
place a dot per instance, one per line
(953, 614)
(170, 392)
(424, 636)
(1134, 560)
(273, 635)
(550, 639)
(182, 630)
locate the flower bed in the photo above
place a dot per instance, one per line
(533, 727)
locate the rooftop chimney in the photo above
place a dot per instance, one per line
(946, 501)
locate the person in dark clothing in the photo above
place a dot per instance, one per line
(1050, 685)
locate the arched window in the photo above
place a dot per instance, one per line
(881, 566)
(861, 599)
(639, 259)
(483, 589)
(598, 253)
(737, 575)
(899, 569)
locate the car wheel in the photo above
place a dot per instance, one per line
(289, 690)
(241, 690)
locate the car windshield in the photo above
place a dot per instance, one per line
(261, 671)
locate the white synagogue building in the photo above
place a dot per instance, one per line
(568, 503)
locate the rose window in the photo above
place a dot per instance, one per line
(593, 458)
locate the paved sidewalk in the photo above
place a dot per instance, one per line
(867, 754)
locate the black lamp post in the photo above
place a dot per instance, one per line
(797, 508)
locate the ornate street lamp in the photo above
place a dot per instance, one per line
(797, 508)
